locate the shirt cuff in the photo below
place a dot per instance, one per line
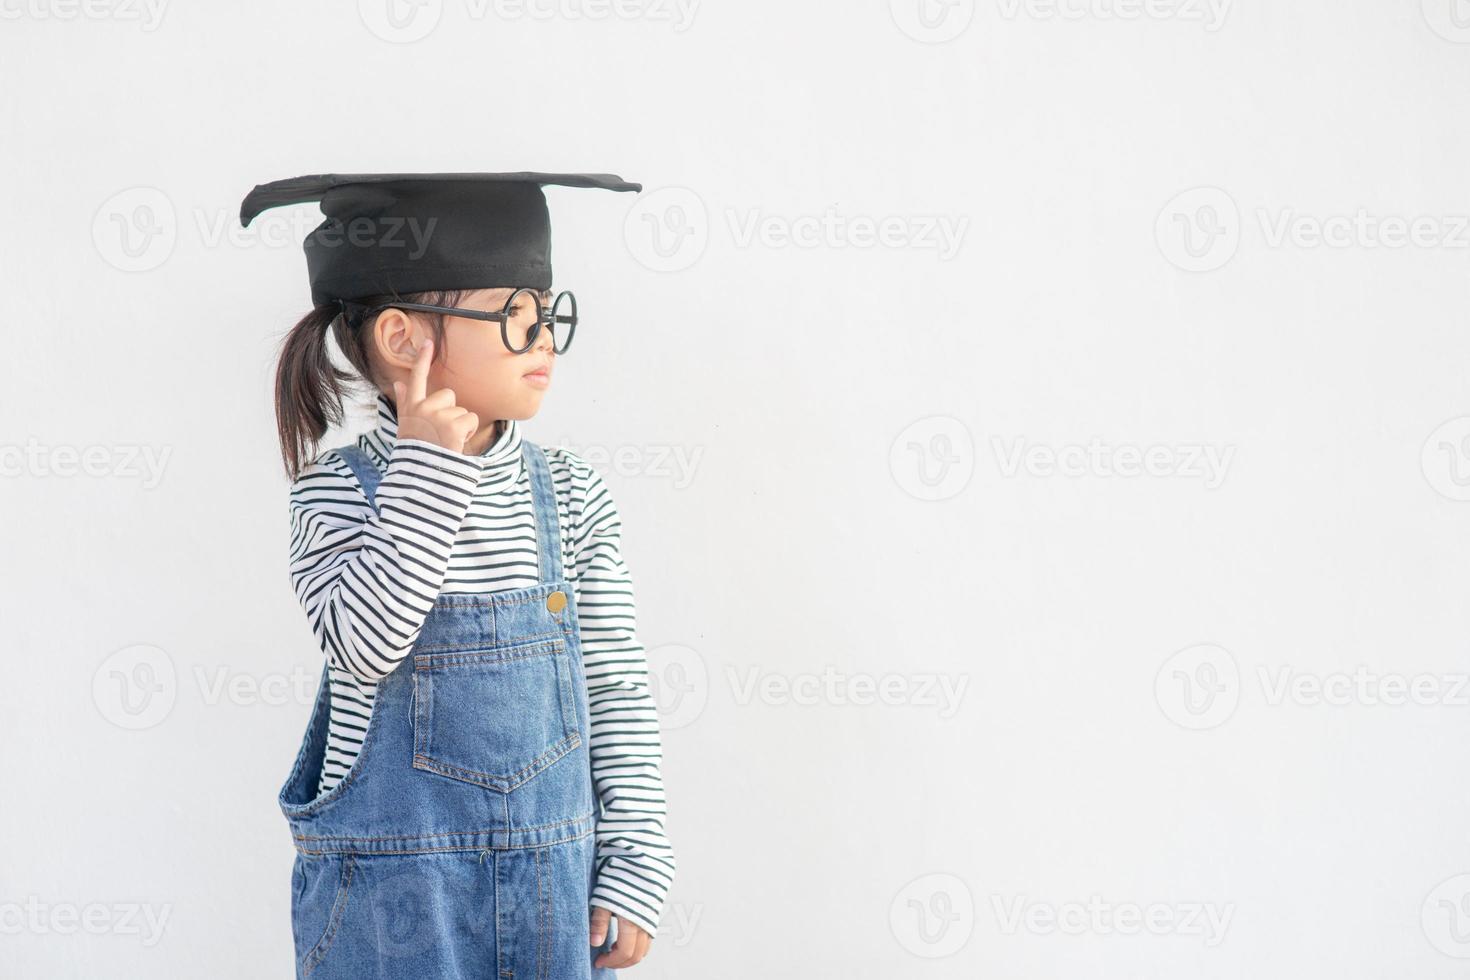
(421, 452)
(623, 912)
(622, 888)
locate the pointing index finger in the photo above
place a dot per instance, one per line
(418, 377)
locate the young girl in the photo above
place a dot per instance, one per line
(477, 793)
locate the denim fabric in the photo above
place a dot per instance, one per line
(460, 844)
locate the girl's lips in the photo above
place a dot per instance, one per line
(538, 378)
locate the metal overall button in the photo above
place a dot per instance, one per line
(557, 601)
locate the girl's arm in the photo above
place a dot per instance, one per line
(635, 858)
(367, 580)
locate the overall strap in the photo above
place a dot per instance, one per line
(543, 497)
(362, 466)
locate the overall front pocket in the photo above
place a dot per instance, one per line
(495, 717)
(319, 895)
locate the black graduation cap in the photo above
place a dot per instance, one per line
(404, 233)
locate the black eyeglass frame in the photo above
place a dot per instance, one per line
(545, 317)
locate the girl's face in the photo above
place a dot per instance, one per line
(486, 378)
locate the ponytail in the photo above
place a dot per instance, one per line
(311, 390)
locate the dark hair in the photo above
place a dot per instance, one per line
(310, 389)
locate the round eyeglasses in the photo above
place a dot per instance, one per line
(521, 319)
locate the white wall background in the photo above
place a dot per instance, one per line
(1201, 721)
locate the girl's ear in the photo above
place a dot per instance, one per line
(395, 338)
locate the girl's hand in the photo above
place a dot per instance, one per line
(433, 418)
(632, 941)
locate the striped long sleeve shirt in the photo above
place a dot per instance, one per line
(454, 523)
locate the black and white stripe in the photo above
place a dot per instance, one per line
(456, 523)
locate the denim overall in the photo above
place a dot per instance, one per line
(460, 844)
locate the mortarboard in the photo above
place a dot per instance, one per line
(405, 233)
